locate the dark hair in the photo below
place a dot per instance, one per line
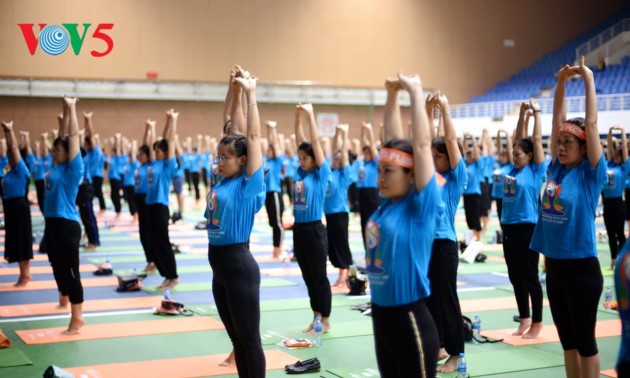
(237, 144)
(23, 152)
(88, 140)
(307, 148)
(145, 149)
(83, 152)
(161, 144)
(526, 145)
(63, 141)
(401, 144)
(579, 122)
(227, 127)
(439, 144)
(194, 149)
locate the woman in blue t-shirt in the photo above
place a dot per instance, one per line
(273, 184)
(399, 238)
(310, 241)
(565, 232)
(115, 162)
(63, 231)
(42, 165)
(231, 206)
(336, 207)
(521, 188)
(505, 165)
(614, 209)
(129, 179)
(141, 186)
(18, 245)
(367, 189)
(472, 192)
(159, 176)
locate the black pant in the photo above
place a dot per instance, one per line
(522, 264)
(40, 188)
(236, 291)
(369, 201)
(627, 201)
(85, 195)
(187, 177)
(97, 183)
(204, 177)
(574, 287)
(486, 198)
(406, 340)
(614, 214)
(62, 240)
(18, 242)
(310, 245)
(337, 232)
(164, 257)
(499, 202)
(287, 184)
(444, 301)
(472, 208)
(195, 180)
(115, 186)
(144, 228)
(130, 195)
(275, 208)
(353, 198)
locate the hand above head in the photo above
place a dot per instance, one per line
(307, 107)
(366, 125)
(24, 133)
(410, 83)
(566, 72)
(392, 85)
(441, 100)
(582, 69)
(343, 127)
(7, 126)
(247, 83)
(87, 114)
(271, 124)
(534, 106)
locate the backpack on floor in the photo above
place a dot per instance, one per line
(468, 333)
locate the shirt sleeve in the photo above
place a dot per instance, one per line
(597, 175)
(255, 184)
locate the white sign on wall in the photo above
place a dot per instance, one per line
(327, 123)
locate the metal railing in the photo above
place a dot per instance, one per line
(603, 37)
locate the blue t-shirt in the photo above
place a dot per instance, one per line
(129, 172)
(14, 182)
(399, 236)
(520, 194)
(566, 221)
(195, 162)
(62, 186)
(616, 179)
(204, 162)
(87, 176)
(41, 166)
(336, 200)
(354, 171)
(488, 166)
(451, 193)
(159, 176)
(185, 160)
(290, 165)
(367, 173)
(622, 288)
(30, 161)
(4, 165)
(114, 167)
(97, 162)
(497, 179)
(232, 204)
(309, 189)
(180, 167)
(475, 173)
(142, 179)
(215, 177)
(273, 173)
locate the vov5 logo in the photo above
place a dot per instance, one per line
(54, 39)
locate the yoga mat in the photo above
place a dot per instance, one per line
(360, 327)
(490, 304)
(201, 286)
(609, 373)
(511, 360)
(42, 256)
(290, 271)
(115, 248)
(43, 270)
(51, 284)
(88, 306)
(200, 366)
(603, 328)
(141, 258)
(345, 372)
(13, 357)
(123, 329)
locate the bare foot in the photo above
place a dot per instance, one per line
(150, 268)
(22, 281)
(172, 283)
(449, 366)
(229, 361)
(442, 354)
(63, 302)
(338, 283)
(74, 327)
(534, 330)
(277, 253)
(308, 329)
(164, 284)
(90, 248)
(523, 326)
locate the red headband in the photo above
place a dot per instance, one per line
(574, 130)
(396, 157)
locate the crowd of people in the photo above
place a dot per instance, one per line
(406, 192)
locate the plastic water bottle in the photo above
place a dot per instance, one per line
(318, 329)
(167, 294)
(476, 329)
(461, 366)
(607, 298)
(134, 272)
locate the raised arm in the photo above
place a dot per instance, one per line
(539, 152)
(392, 124)
(422, 158)
(149, 137)
(25, 135)
(272, 135)
(299, 130)
(343, 128)
(70, 119)
(559, 109)
(13, 152)
(450, 137)
(169, 132)
(318, 151)
(430, 106)
(254, 151)
(523, 119)
(89, 127)
(593, 147)
(227, 106)
(237, 114)
(474, 149)
(624, 144)
(371, 140)
(610, 144)
(509, 146)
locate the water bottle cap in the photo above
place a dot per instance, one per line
(318, 318)
(461, 355)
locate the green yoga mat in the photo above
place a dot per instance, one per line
(142, 258)
(13, 357)
(361, 327)
(201, 286)
(118, 248)
(201, 268)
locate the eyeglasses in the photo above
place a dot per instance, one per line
(219, 159)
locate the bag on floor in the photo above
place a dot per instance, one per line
(471, 251)
(56, 372)
(129, 283)
(356, 285)
(172, 308)
(468, 333)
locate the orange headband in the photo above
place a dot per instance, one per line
(574, 130)
(396, 157)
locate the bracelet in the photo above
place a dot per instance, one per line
(536, 111)
(252, 104)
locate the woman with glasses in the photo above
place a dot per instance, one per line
(231, 207)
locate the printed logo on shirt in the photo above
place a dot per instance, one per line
(215, 177)
(623, 280)
(373, 259)
(551, 199)
(299, 197)
(213, 220)
(509, 186)
(496, 176)
(46, 182)
(611, 178)
(362, 173)
(150, 175)
(137, 178)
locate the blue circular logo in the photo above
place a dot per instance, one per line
(53, 40)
